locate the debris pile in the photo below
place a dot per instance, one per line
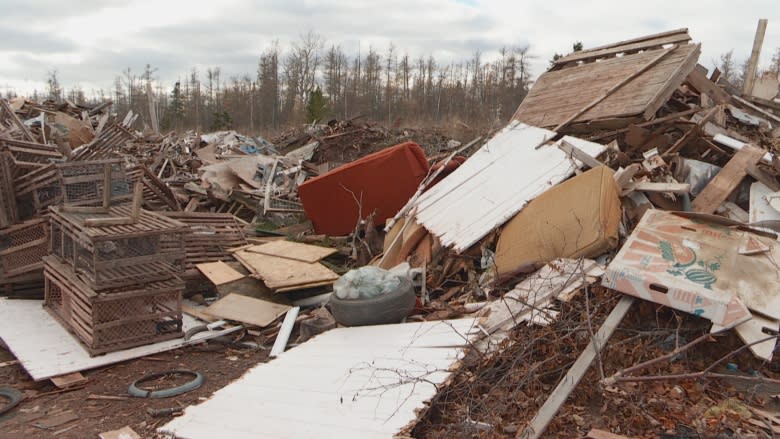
(624, 220)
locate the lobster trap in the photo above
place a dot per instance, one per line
(8, 211)
(94, 183)
(114, 256)
(113, 320)
(23, 245)
(210, 236)
(37, 190)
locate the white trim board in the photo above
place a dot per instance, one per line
(359, 382)
(46, 349)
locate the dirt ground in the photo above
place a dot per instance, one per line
(220, 363)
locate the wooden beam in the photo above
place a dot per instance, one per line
(107, 187)
(648, 186)
(757, 109)
(647, 41)
(574, 152)
(704, 86)
(558, 396)
(720, 187)
(752, 67)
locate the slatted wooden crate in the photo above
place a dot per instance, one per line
(25, 286)
(210, 237)
(37, 190)
(113, 320)
(8, 211)
(83, 182)
(23, 245)
(119, 255)
(157, 196)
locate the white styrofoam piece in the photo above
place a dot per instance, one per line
(496, 183)
(46, 349)
(359, 382)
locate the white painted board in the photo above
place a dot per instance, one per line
(46, 349)
(359, 382)
(496, 183)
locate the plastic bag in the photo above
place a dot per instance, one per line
(365, 283)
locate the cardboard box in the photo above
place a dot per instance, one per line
(577, 218)
(383, 182)
(704, 265)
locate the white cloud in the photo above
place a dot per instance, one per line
(91, 43)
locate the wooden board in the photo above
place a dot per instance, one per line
(46, 349)
(720, 187)
(123, 433)
(293, 250)
(219, 273)
(281, 273)
(246, 310)
(602, 434)
(70, 380)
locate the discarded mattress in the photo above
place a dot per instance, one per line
(381, 182)
(579, 217)
(704, 265)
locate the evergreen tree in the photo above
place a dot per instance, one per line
(317, 107)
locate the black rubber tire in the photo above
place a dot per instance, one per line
(13, 396)
(390, 307)
(196, 382)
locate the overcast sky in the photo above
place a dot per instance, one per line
(90, 42)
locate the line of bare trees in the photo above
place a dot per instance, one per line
(312, 80)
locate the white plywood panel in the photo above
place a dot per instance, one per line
(496, 183)
(362, 382)
(46, 349)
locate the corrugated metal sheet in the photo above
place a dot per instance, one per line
(360, 382)
(495, 183)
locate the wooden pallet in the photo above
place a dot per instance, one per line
(118, 255)
(211, 236)
(117, 319)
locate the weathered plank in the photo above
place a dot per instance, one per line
(720, 187)
(558, 396)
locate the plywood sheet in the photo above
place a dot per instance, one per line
(360, 382)
(219, 273)
(560, 94)
(281, 273)
(293, 250)
(46, 349)
(246, 310)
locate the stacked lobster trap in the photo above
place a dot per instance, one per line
(108, 278)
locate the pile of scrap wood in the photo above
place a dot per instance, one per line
(629, 179)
